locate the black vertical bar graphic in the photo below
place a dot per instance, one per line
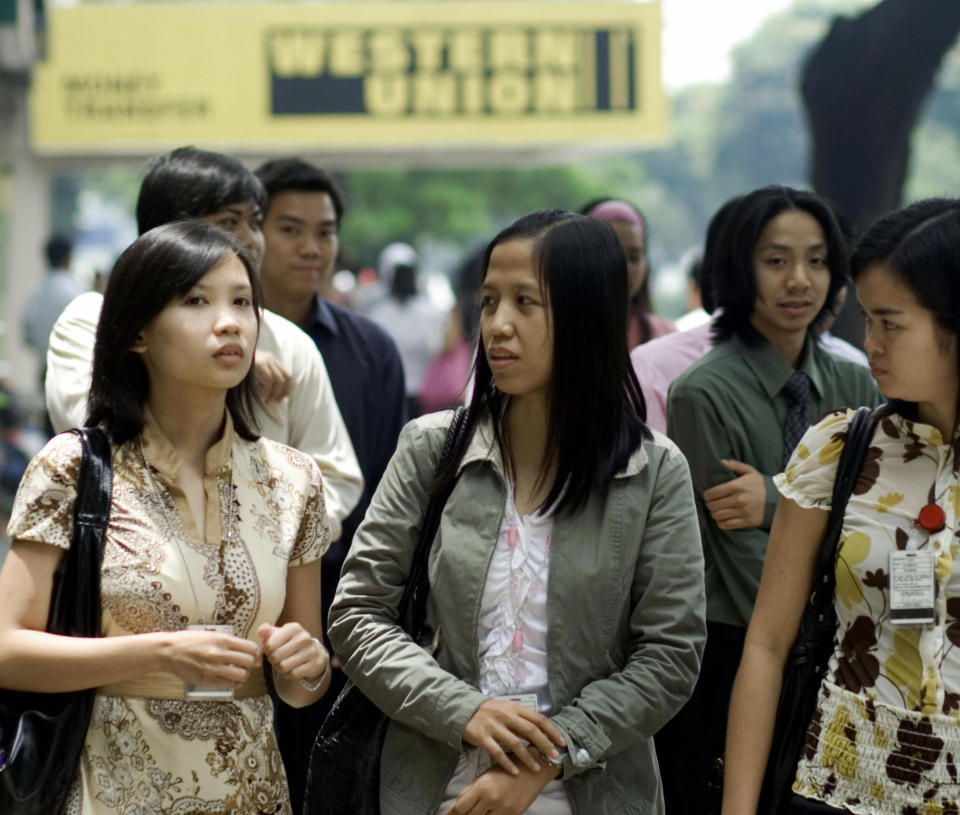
(632, 72)
(603, 70)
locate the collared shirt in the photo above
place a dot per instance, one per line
(658, 362)
(367, 377)
(307, 418)
(730, 405)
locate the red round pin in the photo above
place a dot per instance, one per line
(932, 518)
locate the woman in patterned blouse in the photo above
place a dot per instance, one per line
(211, 553)
(885, 735)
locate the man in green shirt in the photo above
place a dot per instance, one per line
(737, 414)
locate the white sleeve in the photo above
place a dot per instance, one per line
(70, 361)
(314, 423)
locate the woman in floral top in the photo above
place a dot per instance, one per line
(885, 735)
(211, 553)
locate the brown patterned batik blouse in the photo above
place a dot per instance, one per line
(149, 752)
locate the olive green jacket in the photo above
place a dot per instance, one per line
(625, 608)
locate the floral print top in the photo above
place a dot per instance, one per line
(147, 749)
(885, 737)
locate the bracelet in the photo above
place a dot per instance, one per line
(556, 763)
(315, 684)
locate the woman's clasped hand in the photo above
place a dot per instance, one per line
(208, 658)
(504, 729)
(293, 651)
(517, 738)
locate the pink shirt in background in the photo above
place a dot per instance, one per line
(659, 326)
(658, 362)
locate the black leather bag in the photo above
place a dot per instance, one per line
(344, 776)
(808, 658)
(42, 734)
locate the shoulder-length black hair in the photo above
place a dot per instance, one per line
(734, 278)
(159, 266)
(921, 245)
(191, 183)
(596, 409)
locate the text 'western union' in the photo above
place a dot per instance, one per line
(479, 70)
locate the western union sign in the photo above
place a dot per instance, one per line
(349, 76)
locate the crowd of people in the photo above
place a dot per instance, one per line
(628, 545)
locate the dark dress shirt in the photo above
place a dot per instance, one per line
(367, 377)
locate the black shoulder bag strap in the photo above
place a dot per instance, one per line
(75, 601)
(42, 734)
(859, 435)
(413, 604)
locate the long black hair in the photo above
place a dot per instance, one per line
(164, 263)
(190, 183)
(921, 245)
(734, 277)
(596, 409)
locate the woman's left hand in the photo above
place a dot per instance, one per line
(293, 651)
(274, 380)
(497, 792)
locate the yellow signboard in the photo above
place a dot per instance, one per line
(357, 76)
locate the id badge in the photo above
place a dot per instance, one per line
(528, 700)
(206, 693)
(912, 576)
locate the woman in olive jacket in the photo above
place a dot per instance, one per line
(565, 615)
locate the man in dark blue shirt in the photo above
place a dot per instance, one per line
(300, 229)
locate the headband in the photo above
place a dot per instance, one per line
(617, 211)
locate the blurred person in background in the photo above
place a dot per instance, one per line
(696, 314)
(446, 377)
(47, 300)
(447, 380)
(631, 229)
(300, 408)
(408, 316)
(301, 226)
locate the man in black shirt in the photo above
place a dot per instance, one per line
(300, 229)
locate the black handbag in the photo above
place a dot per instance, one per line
(42, 734)
(344, 776)
(807, 661)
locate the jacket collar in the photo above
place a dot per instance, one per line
(483, 447)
